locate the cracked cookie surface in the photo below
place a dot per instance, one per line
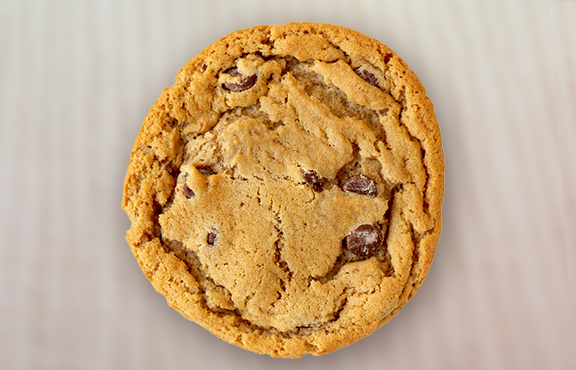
(285, 193)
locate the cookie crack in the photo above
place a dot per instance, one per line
(338, 103)
(383, 255)
(412, 282)
(336, 314)
(278, 245)
(425, 205)
(205, 283)
(194, 267)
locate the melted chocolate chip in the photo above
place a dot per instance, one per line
(367, 76)
(206, 170)
(234, 72)
(360, 184)
(170, 169)
(211, 238)
(244, 84)
(364, 240)
(313, 178)
(188, 193)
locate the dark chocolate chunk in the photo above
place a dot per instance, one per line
(367, 76)
(206, 170)
(360, 184)
(234, 72)
(364, 240)
(170, 169)
(244, 84)
(211, 238)
(188, 193)
(313, 178)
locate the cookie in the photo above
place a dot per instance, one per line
(285, 193)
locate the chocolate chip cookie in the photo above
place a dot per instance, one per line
(285, 193)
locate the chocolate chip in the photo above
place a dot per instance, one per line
(364, 240)
(313, 178)
(234, 72)
(170, 169)
(188, 193)
(211, 238)
(367, 76)
(387, 57)
(206, 170)
(244, 84)
(360, 184)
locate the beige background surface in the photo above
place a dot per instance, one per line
(77, 79)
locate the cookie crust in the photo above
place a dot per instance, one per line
(240, 197)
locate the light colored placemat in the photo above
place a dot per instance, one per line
(77, 79)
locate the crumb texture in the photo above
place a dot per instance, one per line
(286, 192)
